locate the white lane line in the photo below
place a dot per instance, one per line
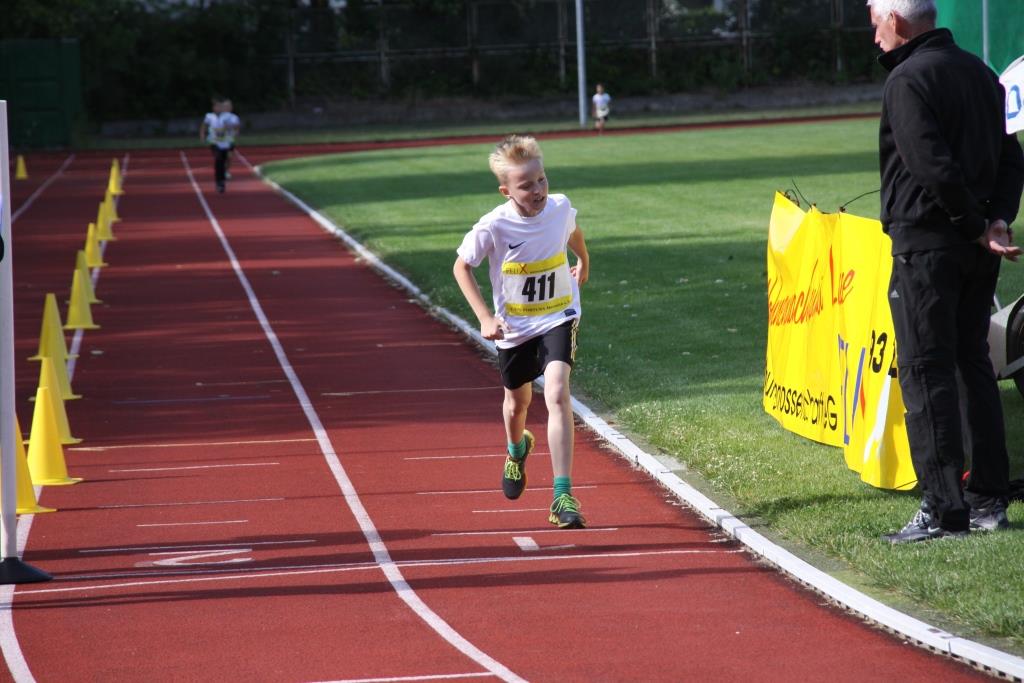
(198, 467)
(416, 345)
(207, 575)
(373, 539)
(523, 531)
(226, 521)
(459, 493)
(408, 391)
(197, 546)
(240, 384)
(466, 457)
(526, 543)
(516, 510)
(194, 502)
(201, 444)
(401, 679)
(42, 188)
(187, 399)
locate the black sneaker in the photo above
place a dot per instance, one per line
(921, 528)
(513, 479)
(565, 513)
(992, 518)
(220, 188)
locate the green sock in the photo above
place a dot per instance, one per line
(562, 485)
(517, 450)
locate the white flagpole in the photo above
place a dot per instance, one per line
(581, 66)
(12, 569)
(984, 32)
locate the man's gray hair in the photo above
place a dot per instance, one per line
(911, 10)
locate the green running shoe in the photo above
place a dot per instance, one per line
(565, 512)
(513, 480)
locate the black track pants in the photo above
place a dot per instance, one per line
(940, 302)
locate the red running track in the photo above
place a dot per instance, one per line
(317, 497)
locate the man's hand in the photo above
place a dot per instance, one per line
(998, 239)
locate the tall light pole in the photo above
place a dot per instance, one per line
(581, 66)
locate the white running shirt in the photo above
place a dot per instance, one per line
(531, 285)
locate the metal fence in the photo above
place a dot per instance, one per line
(527, 47)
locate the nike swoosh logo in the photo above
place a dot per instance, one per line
(516, 246)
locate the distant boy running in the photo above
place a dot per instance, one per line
(537, 310)
(212, 131)
(232, 125)
(602, 107)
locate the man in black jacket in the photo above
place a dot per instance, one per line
(951, 186)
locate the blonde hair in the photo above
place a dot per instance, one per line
(514, 150)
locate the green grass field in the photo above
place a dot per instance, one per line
(673, 337)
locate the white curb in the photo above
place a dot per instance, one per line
(981, 656)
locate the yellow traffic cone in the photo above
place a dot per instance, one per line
(82, 265)
(104, 233)
(93, 256)
(20, 172)
(48, 380)
(51, 336)
(45, 454)
(54, 376)
(79, 314)
(27, 503)
(114, 184)
(111, 207)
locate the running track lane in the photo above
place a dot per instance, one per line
(211, 538)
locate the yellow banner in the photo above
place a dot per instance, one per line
(830, 365)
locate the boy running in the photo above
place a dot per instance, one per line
(537, 310)
(212, 131)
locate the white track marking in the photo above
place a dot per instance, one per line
(459, 493)
(416, 345)
(195, 502)
(198, 467)
(373, 539)
(181, 558)
(191, 547)
(206, 444)
(401, 679)
(408, 391)
(526, 543)
(207, 575)
(42, 188)
(240, 384)
(226, 521)
(466, 457)
(524, 531)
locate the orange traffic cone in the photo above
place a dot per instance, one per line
(104, 233)
(82, 265)
(45, 453)
(79, 314)
(27, 503)
(20, 172)
(93, 255)
(51, 335)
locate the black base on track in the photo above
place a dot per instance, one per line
(13, 570)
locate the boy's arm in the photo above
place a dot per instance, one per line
(202, 130)
(576, 243)
(490, 325)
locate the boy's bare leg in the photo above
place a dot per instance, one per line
(517, 401)
(560, 427)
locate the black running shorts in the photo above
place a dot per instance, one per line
(527, 362)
